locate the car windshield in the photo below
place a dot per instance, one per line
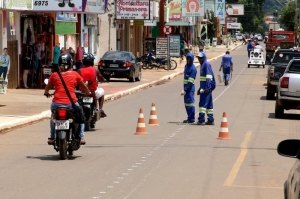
(116, 56)
(284, 57)
(295, 66)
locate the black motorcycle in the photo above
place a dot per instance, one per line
(150, 61)
(88, 103)
(66, 130)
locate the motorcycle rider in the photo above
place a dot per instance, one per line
(91, 75)
(227, 66)
(207, 85)
(72, 80)
(190, 73)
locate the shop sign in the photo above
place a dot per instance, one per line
(235, 9)
(193, 8)
(209, 5)
(90, 19)
(94, 6)
(59, 5)
(220, 10)
(232, 19)
(133, 9)
(65, 28)
(17, 4)
(150, 23)
(162, 47)
(234, 26)
(175, 10)
(174, 45)
(66, 16)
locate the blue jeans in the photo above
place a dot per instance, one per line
(3, 70)
(52, 127)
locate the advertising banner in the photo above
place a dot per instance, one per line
(235, 9)
(162, 47)
(220, 10)
(232, 19)
(174, 45)
(57, 5)
(175, 10)
(66, 16)
(133, 9)
(94, 6)
(18, 4)
(209, 5)
(193, 8)
(234, 26)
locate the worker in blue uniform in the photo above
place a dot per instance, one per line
(207, 85)
(227, 65)
(188, 91)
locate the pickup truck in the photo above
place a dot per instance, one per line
(279, 62)
(288, 90)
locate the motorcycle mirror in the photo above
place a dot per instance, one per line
(46, 81)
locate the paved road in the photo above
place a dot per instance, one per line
(172, 161)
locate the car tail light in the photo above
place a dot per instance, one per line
(61, 114)
(284, 82)
(127, 64)
(101, 63)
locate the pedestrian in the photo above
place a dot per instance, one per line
(250, 47)
(79, 56)
(207, 85)
(188, 91)
(227, 66)
(4, 64)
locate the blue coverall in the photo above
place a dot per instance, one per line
(226, 64)
(190, 73)
(207, 84)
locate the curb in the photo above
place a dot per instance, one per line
(46, 114)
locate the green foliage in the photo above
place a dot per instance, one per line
(287, 16)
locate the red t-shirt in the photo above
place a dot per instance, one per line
(89, 74)
(79, 54)
(71, 79)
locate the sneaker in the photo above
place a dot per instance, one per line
(82, 141)
(209, 123)
(102, 114)
(51, 141)
(200, 123)
(187, 121)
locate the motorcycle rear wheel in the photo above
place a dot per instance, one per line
(171, 66)
(63, 149)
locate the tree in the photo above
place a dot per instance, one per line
(287, 18)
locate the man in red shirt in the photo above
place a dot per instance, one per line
(72, 80)
(92, 76)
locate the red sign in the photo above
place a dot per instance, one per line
(167, 30)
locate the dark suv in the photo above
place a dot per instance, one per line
(279, 62)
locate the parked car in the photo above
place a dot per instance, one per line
(290, 148)
(279, 62)
(288, 89)
(120, 64)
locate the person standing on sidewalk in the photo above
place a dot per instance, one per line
(188, 91)
(227, 66)
(4, 64)
(207, 85)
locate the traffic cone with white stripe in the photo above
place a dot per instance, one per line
(141, 126)
(224, 132)
(153, 121)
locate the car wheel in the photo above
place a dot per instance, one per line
(279, 111)
(263, 66)
(270, 95)
(132, 77)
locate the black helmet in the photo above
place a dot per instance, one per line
(88, 59)
(65, 61)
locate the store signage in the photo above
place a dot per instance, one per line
(66, 16)
(235, 9)
(175, 10)
(234, 26)
(17, 4)
(162, 47)
(174, 46)
(94, 6)
(232, 19)
(193, 8)
(133, 9)
(220, 10)
(59, 5)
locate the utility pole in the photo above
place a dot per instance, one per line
(161, 17)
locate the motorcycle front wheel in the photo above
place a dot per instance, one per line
(63, 149)
(172, 65)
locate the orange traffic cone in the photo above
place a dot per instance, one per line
(224, 132)
(141, 126)
(153, 117)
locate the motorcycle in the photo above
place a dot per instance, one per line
(66, 132)
(88, 103)
(150, 61)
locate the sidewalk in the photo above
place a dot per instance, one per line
(24, 106)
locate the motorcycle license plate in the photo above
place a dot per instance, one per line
(87, 99)
(62, 124)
